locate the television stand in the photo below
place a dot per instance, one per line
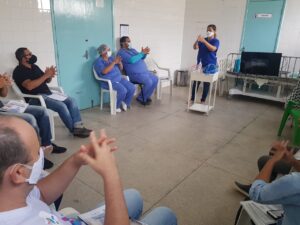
(259, 86)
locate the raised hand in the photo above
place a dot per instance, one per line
(118, 60)
(279, 150)
(200, 39)
(99, 154)
(146, 50)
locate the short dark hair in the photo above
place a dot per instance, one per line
(20, 53)
(123, 40)
(12, 148)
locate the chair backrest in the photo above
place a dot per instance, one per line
(151, 64)
(14, 92)
(95, 74)
(159, 71)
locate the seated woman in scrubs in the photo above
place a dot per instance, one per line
(136, 69)
(108, 67)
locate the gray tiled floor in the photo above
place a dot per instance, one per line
(184, 160)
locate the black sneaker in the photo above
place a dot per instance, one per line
(143, 103)
(87, 130)
(81, 132)
(243, 188)
(149, 100)
(47, 164)
(58, 149)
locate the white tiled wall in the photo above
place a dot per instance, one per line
(25, 23)
(156, 23)
(289, 38)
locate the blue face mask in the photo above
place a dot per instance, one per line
(36, 169)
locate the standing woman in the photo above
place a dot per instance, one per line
(207, 55)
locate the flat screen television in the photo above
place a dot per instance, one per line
(260, 63)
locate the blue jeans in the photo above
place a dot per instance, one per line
(38, 118)
(204, 92)
(68, 110)
(158, 216)
(149, 81)
(125, 91)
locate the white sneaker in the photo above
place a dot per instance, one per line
(118, 110)
(124, 106)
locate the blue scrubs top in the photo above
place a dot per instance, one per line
(204, 55)
(132, 68)
(114, 75)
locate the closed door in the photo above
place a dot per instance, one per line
(80, 26)
(262, 25)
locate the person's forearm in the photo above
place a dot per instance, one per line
(4, 91)
(52, 186)
(115, 207)
(32, 84)
(209, 46)
(136, 58)
(195, 46)
(266, 172)
(108, 68)
(120, 66)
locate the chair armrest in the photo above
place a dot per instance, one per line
(39, 97)
(107, 81)
(126, 77)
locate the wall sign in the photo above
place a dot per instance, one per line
(263, 15)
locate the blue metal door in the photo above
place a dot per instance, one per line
(79, 27)
(262, 25)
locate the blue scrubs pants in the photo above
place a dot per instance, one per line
(149, 81)
(125, 91)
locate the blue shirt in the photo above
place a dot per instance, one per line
(284, 191)
(114, 75)
(204, 55)
(137, 67)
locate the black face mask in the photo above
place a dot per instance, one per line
(32, 60)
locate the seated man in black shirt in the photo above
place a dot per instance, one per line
(32, 80)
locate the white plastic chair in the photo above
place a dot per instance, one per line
(111, 91)
(163, 74)
(51, 113)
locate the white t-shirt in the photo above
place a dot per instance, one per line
(35, 213)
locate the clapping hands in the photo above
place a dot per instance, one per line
(5, 80)
(50, 72)
(146, 50)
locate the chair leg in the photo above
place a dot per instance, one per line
(285, 116)
(101, 99)
(113, 103)
(158, 90)
(296, 130)
(52, 126)
(171, 87)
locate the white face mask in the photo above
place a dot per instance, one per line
(109, 53)
(36, 169)
(210, 34)
(129, 45)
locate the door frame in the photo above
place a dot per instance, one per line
(279, 28)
